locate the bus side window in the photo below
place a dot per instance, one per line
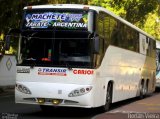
(100, 25)
(153, 48)
(100, 31)
(106, 32)
(115, 32)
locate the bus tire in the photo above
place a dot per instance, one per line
(147, 88)
(142, 89)
(108, 98)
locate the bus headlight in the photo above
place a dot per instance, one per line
(23, 89)
(80, 91)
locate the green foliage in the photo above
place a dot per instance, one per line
(132, 10)
(138, 12)
(9, 14)
(152, 25)
(1, 43)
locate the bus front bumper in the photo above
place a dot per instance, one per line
(55, 94)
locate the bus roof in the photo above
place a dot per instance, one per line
(96, 8)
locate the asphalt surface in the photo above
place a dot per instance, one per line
(10, 110)
(147, 108)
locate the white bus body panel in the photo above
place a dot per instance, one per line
(125, 68)
(55, 85)
(54, 91)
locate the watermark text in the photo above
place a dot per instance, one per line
(144, 115)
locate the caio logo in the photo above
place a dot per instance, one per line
(84, 72)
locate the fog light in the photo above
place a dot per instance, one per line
(41, 100)
(56, 101)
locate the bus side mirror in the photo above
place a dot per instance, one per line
(9, 36)
(96, 45)
(7, 42)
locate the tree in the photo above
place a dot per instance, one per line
(11, 15)
(11, 12)
(131, 10)
(152, 25)
(135, 11)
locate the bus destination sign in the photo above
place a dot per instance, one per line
(55, 19)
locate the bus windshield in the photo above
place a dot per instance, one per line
(58, 48)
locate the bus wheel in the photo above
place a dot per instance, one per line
(142, 90)
(108, 98)
(147, 88)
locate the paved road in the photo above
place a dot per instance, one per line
(148, 108)
(122, 110)
(22, 111)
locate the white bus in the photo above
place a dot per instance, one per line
(81, 56)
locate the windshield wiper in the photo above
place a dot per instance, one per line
(31, 59)
(67, 65)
